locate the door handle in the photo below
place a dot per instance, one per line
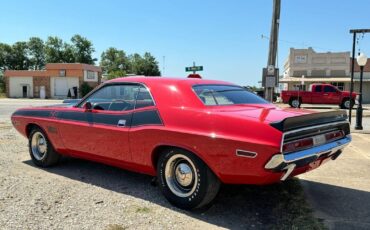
(121, 123)
(325, 94)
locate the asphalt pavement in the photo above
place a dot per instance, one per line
(339, 191)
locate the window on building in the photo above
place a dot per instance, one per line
(299, 73)
(318, 73)
(90, 75)
(339, 85)
(337, 73)
(62, 73)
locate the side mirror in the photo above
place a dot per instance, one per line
(87, 106)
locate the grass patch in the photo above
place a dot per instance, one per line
(277, 206)
(143, 210)
(292, 211)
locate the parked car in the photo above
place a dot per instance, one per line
(191, 134)
(319, 94)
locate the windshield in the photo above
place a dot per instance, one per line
(226, 95)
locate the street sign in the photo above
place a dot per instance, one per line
(193, 68)
(270, 78)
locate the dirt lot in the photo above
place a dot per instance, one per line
(79, 194)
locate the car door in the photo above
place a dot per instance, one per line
(331, 95)
(316, 95)
(101, 131)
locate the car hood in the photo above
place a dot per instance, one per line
(347, 93)
(263, 113)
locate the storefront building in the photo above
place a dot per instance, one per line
(329, 67)
(58, 80)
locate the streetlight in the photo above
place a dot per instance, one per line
(361, 61)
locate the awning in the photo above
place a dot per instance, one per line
(327, 79)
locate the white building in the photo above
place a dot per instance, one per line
(329, 67)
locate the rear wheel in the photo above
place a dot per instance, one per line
(295, 103)
(41, 151)
(185, 180)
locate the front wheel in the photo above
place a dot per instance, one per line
(347, 103)
(41, 151)
(185, 180)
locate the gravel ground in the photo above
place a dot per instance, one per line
(79, 194)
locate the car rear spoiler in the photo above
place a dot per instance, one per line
(307, 120)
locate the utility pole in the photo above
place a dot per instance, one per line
(271, 73)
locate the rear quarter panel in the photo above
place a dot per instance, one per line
(214, 137)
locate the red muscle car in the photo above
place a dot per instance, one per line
(192, 134)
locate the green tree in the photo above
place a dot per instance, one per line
(54, 50)
(114, 62)
(19, 60)
(116, 73)
(5, 56)
(146, 65)
(136, 64)
(36, 52)
(150, 65)
(68, 54)
(83, 50)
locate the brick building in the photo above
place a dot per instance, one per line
(54, 82)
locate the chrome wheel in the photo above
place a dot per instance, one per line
(38, 146)
(180, 175)
(295, 103)
(347, 104)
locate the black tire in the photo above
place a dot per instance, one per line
(41, 150)
(204, 184)
(295, 102)
(346, 103)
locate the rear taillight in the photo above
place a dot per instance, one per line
(334, 135)
(308, 142)
(298, 145)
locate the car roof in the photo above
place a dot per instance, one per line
(167, 80)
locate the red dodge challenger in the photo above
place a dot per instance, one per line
(192, 134)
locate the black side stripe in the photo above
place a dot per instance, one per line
(150, 117)
(33, 113)
(147, 117)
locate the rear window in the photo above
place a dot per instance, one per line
(226, 95)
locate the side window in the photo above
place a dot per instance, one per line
(207, 97)
(114, 97)
(329, 89)
(318, 88)
(143, 99)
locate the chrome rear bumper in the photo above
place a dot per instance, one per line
(288, 162)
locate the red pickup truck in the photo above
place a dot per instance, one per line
(319, 94)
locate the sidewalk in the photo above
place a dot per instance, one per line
(339, 191)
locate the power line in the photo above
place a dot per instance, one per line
(297, 43)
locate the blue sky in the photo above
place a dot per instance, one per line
(223, 36)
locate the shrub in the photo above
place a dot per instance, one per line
(85, 89)
(2, 85)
